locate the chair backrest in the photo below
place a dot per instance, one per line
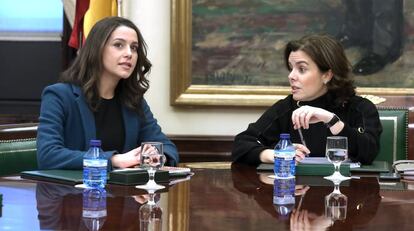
(394, 137)
(17, 155)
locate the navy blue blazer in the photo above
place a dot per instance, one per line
(66, 125)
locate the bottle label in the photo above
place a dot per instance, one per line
(95, 172)
(285, 157)
(93, 213)
(95, 162)
(283, 200)
(284, 167)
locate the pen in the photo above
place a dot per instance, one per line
(301, 138)
(300, 201)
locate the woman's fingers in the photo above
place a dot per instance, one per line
(299, 156)
(301, 189)
(301, 152)
(302, 119)
(306, 115)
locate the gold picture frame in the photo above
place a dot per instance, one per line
(185, 93)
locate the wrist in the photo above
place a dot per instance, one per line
(114, 161)
(337, 128)
(332, 122)
(267, 156)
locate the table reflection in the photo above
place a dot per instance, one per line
(284, 195)
(309, 204)
(64, 207)
(150, 214)
(214, 199)
(246, 180)
(56, 205)
(94, 208)
(336, 204)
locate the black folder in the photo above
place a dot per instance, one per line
(71, 177)
(74, 177)
(136, 177)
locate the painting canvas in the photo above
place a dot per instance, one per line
(236, 47)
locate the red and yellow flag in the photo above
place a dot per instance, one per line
(98, 9)
(76, 37)
(88, 12)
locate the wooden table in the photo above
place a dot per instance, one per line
(236, 198)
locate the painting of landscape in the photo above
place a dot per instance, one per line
(241, 42)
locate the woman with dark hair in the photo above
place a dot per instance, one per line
(322, 103)
(101, 96)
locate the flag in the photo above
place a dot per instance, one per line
(98, 9)
(88, 12)
(77, 34)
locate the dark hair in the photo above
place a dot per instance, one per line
(88, 65)
(328, 54)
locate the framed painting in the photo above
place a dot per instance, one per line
(230, 53)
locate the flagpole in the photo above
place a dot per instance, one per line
(80, 39)
(120, 8)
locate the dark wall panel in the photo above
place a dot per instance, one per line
(26, 67)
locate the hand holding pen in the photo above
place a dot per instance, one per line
(303, 116)
(301, 152)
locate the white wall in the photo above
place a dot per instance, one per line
(153, 19)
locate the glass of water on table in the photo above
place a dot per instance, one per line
(337, 152)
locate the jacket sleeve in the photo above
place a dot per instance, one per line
(250, 143)
(363, 132)
(151, 131)
(51, 153)
(51, 150)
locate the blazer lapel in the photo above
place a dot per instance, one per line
(86, 116)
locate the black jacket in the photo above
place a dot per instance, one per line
(360, 116)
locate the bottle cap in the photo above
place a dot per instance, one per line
(95, 143)
(284, 136)
(284, 210)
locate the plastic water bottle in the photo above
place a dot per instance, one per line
(94, 166)
(94, 208)
(284, 166)
(284, 195)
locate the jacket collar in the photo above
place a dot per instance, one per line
(88, 121)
